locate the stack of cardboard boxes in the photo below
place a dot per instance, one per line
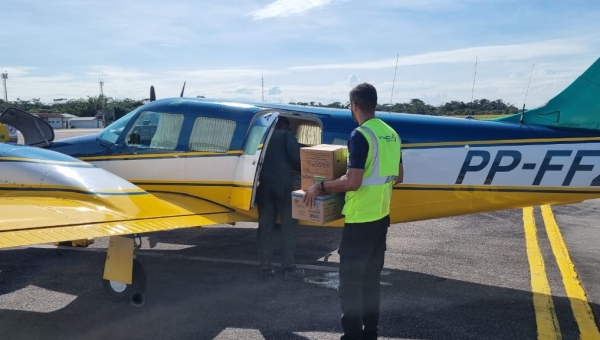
(320, 162)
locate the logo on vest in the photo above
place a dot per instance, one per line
(391, 138)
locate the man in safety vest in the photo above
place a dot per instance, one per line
(374, 167)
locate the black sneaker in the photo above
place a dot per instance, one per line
(292, 272)
(268, 274)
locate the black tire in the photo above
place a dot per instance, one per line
(134, 292)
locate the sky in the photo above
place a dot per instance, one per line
(519, 51)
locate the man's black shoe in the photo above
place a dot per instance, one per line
(292, 272)
(268, 274)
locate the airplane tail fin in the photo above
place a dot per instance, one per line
(577, 106)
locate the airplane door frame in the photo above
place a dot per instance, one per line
(251, 159)
(274, 115)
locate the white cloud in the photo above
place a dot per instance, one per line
(432, 4)
(16, 71)
(275, 90)
(244, 90)
(285, 8)
(483, 54)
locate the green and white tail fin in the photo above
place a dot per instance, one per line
(577, 106)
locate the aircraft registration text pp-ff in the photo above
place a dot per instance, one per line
(188, 162)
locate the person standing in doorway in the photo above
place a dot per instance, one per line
(274, 197)
(374, 167)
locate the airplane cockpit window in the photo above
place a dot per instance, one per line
(211, 134)
(112, 132)
(155, 130)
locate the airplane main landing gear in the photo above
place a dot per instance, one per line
(75, 243)
(124, 277)
(133, 292)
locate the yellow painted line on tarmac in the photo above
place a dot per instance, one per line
(573, 287)
(545, 314)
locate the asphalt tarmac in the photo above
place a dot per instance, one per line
(483, 276)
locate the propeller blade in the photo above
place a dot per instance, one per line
(181, 95)
(152, 94)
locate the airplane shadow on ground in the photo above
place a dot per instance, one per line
(188, 299)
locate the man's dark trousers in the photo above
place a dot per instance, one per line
(274, 199)
(362, 254)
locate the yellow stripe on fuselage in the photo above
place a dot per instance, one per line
(421, 202)
(410, 202)
(191, 183)
(161, 155)
(405, 145)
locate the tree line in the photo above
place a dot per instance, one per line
(90, 106)
(417, 106)
(83, 107)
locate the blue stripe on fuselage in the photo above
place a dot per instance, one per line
(416, 129)
(337, 123)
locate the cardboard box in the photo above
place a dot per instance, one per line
(328, 207)
(325, 161)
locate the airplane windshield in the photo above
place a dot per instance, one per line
(112, 132)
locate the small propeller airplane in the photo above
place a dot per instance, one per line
(190, 162)
(8, 134)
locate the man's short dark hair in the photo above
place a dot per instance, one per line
(365, 96)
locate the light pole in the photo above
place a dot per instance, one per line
(4, 77)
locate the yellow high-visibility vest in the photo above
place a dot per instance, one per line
(371, 201)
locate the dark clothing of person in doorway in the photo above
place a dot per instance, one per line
(274, 198)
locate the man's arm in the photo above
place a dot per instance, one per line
(358, 149)
(400, 178)
(351, 181)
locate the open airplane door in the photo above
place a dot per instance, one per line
(251, 160)
(35, 131)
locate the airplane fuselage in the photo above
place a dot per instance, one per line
(208, 153)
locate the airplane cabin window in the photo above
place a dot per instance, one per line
(211, 134)
(339, 141)
(155, 130)
(308, 133)
(254, 138)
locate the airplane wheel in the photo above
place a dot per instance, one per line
(133, 292)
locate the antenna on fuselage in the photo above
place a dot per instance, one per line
(182, 89)
(526, 93)
(473, 88)
(393, 83)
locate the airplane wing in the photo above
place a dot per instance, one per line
(50, 197)
(28, 220)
